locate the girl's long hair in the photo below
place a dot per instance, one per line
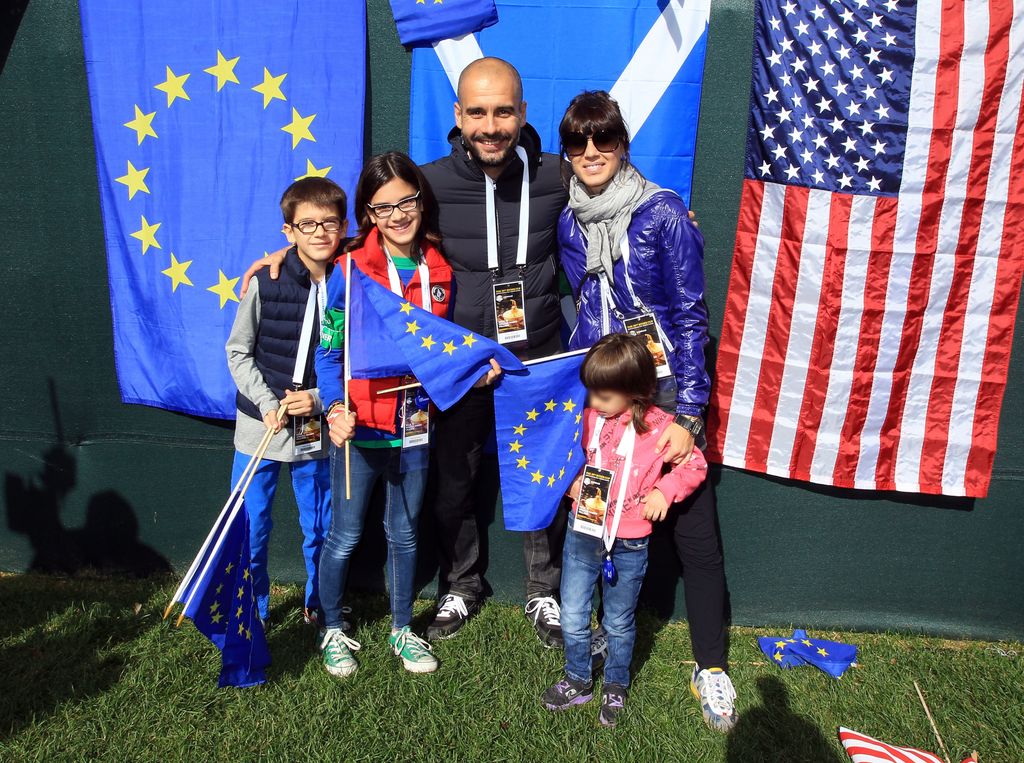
(622, 363)
(380, 170)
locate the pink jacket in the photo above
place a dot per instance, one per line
(648, 470)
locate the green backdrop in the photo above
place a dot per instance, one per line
(89, 480)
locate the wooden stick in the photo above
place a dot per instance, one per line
(347, 373)
(216, 525)
(931, 720)
(533, 362)
(258, 456)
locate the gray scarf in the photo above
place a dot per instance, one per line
(605, 217)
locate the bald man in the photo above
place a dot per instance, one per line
(492, 146)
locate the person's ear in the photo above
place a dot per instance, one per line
(458, 114)
(289, 233)
(522, 112)
(343, 231)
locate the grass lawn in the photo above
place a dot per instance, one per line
(89, 671)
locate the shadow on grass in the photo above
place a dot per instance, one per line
(64, 641)
(772, 731)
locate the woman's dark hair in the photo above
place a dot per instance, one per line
(380, 170)
(589, 112)
(622, 363)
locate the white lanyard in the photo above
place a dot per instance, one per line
(306, 336)
(396, 281)
(524, 217)
(608, 298)
(625, 449)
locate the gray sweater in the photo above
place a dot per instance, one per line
(249, 431)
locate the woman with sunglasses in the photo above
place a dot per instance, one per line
(397, 247)
(634, 260)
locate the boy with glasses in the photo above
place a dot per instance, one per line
(270, 355)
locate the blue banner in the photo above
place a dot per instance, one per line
(538, 421)
(203, 114)
(833, 657)
(390, 336)
(421, 23)
(648, 53)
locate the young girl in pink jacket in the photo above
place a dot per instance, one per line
(623, 489)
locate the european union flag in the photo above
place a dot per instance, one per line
(649, 54)
(421, 22)
(203, 114)
(538, 415)
(833, 657)
(224, 608)
(391, 337)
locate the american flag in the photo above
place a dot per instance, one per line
(863, 749)
(879, 249)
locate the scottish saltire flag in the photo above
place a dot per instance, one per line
(864, 749)
(391, 337)
(224, 608)
(879, 255)
(538, 415)
(422, 22)
(833, 657)
(648, 53)
(203, 114)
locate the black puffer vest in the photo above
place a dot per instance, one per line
(282, 308)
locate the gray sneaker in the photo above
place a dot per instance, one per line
(717, 697)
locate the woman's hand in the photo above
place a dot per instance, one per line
(488, 378)
(341, 425)
(677, 444)
(273, 261)
(655, 506)
(574, 489)
(693, 217)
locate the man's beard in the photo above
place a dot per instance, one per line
(491, 161)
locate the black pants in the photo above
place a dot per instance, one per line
(460, 435)
(698, 545)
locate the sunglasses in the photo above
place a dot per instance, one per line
(575, 143)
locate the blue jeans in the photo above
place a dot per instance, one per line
(402, 503)
(311, 483)
(582, 559)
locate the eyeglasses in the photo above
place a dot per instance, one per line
(309, 227)
(408, 204)
(575, 143)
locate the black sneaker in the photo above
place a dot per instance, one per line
(546, 616)
(453, 611)
(598, 649)
(613, 701)
(568, 693)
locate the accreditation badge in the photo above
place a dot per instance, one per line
(644, 327)
(592, 506)
(306, 435)
(415, 419)
(510, 312)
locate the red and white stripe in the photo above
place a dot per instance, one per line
(864, 749)
(871, 350)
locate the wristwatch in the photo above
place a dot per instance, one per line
(692, 424)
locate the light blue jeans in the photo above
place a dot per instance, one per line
(402, 502)
(582, 559)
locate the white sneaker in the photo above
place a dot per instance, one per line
(717, 697)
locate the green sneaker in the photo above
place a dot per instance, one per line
(337, 649)
(414, 651)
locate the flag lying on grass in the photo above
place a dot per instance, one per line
(864, 749)
(538, 415)
(421, 23)
(224, 608)
(832, 657)
(878, 258)
(390, 337)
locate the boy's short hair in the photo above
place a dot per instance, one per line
(319, 192)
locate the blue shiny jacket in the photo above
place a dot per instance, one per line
(665, 274)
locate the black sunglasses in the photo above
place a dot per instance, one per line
(575, 143)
